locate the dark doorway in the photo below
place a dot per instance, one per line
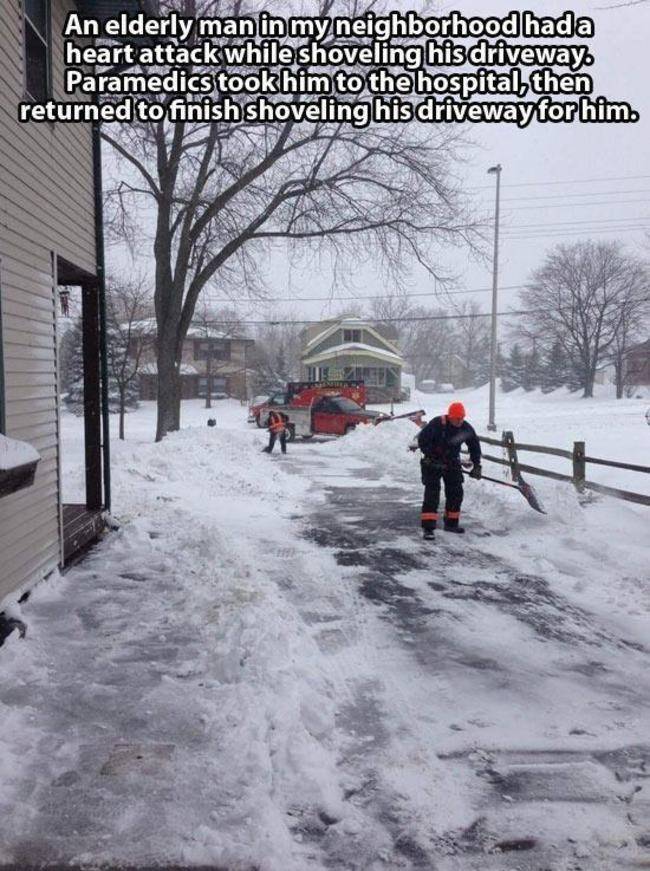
(83, 521)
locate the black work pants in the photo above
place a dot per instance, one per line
(432, 478)
(283, 441)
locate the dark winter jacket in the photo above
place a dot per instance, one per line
(441, 442)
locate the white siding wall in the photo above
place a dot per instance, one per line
(46, 208)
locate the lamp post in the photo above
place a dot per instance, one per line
(494, 170)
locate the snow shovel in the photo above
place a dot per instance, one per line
(525, 489)
(409, 414)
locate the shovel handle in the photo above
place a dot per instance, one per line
(495, 480)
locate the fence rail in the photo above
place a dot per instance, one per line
(578, 458)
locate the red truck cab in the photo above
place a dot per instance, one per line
(337, 415)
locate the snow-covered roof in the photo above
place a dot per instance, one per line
(14, 453)
(347, 323)
(196, 331)
(152, 369)
(353, 348)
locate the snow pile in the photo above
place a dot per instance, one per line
(384, 447)
(14, 454)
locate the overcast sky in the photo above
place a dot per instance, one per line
(559, 182)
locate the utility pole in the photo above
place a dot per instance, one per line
(494, 170)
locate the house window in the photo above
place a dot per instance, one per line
(374, 377)
(36, 29)
(218, 387)
(351, 335)
(216, 349)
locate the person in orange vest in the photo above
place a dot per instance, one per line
(277, 425)
(440, 442)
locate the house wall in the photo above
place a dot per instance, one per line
(338, 364)
(336, 338)
(638, 365)
(46, 209)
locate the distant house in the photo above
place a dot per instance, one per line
(351, 348)
(50, 239)
(638, 364)
(212, 358)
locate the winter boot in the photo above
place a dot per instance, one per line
(453, 526)
(428, 534)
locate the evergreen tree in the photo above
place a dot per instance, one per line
(480, 373)
(531, 375)
(72, 367)
(513, 374)
(554, 372)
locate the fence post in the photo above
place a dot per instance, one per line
(579, 466)
(510, 446)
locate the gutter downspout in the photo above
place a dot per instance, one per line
(101, 290)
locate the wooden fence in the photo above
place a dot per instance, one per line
(579, 461)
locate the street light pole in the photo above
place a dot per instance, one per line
(494, 170)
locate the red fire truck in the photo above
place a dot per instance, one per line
(331, 407)
(302, 394)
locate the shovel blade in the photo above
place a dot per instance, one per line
(530, 496)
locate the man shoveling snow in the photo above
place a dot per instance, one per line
(440, 442)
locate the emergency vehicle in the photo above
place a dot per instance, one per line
(328, 407)
(302, 394)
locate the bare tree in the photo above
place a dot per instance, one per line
(277, 352)
(471, 343)
(130, 334)
(579, 297)
(223, 193)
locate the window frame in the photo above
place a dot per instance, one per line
(47, 41)
(352, 331)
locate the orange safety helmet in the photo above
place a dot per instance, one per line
(456, 411)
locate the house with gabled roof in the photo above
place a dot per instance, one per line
(214, 359)
(354, 348)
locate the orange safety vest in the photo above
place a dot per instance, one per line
(276, 423)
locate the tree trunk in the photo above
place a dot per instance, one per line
(122, 412)
(169, 392)
(208, 382)
(590, 377)
(619, 377)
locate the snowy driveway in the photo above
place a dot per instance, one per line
(266, 668)
(484, 686)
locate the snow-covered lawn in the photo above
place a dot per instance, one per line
(611, 429)
(266, 668)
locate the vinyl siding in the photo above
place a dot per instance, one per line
(336, 338)
(46, 209)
